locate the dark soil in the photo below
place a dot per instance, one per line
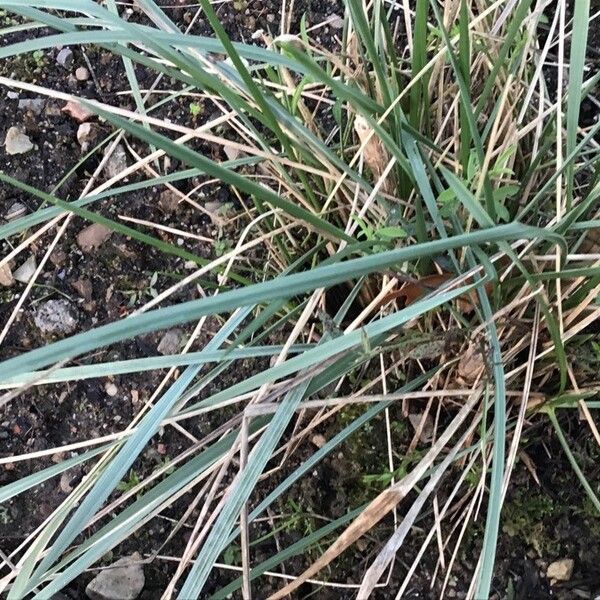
(543, 521)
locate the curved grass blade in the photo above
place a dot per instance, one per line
(280, 288)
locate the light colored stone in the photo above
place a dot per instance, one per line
(560, 570)
(25, 272)
(82, 74)
(318, 440)
(65, 57)
(55, 317)
(231, 153)
(17, 142)
(124, 581)
(65, 483)
(336, 22)
(111, 389)
(93, 236)
(170, 342)
(86, 133)
(6, 276)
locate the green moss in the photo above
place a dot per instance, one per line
(523, 519)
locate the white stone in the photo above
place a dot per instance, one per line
(17, 142)
(25, 272)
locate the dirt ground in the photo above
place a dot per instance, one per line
(545, 517)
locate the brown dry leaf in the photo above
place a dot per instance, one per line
(530, 466)
(93, 236)
(65, 483)
(411, 292)
(77, 111)
(375, 155)
(470, 365)
(426, 430)
(84, 288)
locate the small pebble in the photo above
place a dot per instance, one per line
(318, 440)
(35, 105)
(168, 201)
(6, 276)
(123, 581)
(561, 570)
(25, 272)
(86, 133)
(111, 389)
(12, 95)
(170, 342)
(16, 142)
(82, 74)
(65, 57)
(336, 22)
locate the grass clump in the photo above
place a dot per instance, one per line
(389, 192)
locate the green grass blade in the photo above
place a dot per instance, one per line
(121, 463)
(581, 22)
(19, 486)
(282, 287)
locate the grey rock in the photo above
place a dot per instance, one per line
(35, 105)
(56, 317)
(170, 342)
(65, 57)
(16, 142)
(123, 581)
(117, 162)
(12, 95)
